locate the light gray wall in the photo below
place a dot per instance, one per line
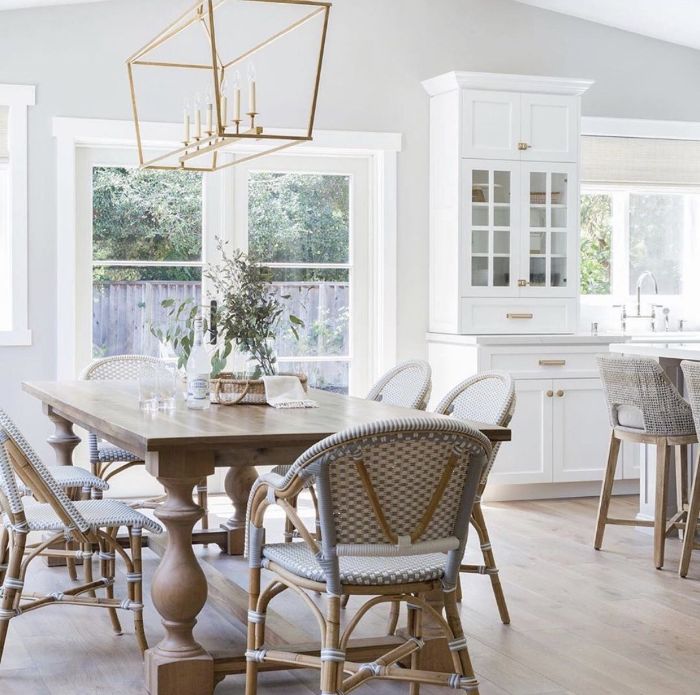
(378, 52)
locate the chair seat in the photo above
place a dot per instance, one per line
(98, 513)
(70, 476)
(109, 453)
(365, 571)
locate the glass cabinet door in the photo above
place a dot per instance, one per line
(549, 231)
(490, 212)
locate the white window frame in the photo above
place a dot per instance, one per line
(381, 150)
(18, 98)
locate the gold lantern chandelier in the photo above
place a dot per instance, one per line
(224, 120)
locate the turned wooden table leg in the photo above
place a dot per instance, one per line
(239, 480)
(178, 665)
(63, 440)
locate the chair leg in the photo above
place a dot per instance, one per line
(251, 668)
(12, 586)
(70, 561)
(331, 666)
(96, 469)
(393, 618)
(415, 629)
(288, 525)
(606, 491)
(107, 571)
(136, 586)
(4, 551)
(661, 504)
(691, 523)
(471, 685)
(490, 562)
(681, 461)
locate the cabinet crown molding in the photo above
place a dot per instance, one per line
(450, 81)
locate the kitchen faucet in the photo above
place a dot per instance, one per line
(652, 315)
(640, 281)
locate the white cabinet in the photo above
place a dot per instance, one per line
(504, 201)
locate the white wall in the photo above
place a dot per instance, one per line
(378, 52)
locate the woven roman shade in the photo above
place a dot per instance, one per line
(4, 146)
(617, 160)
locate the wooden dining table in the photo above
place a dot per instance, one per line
(181, 447)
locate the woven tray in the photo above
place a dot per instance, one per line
(227, 390)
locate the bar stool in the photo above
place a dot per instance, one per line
(691, 372)
(646, 408)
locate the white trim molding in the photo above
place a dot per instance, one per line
(19, 98)
(381, 148)
(491, 81)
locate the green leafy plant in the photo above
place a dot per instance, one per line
(247, 316)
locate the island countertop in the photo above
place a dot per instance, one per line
(669, 351)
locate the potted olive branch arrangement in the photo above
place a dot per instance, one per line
(246, 317)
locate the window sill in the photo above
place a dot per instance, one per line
(17, 338)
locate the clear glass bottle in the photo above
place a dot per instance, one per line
(198, 371)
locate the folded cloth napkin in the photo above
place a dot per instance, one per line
(286, 392)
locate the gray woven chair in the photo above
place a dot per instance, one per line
(395, 498)
(408, 384)
(74, 481)
(691, 372)
(92, 524)
(490, 398)
(645, 407)
(108, 460)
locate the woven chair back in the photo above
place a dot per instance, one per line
(640, 396)
(691, 373)
(31, 470)
(408, 385)
(489, 398)
(118, 367)
(396, 488)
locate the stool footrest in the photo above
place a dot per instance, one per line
(629, 522)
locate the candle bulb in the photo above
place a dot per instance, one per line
(223, 114)
(252, 95)
(224, 110)
(237, 96)
(186, 133)
(210, 114)
(197, 118)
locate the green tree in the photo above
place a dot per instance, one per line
(596, 239)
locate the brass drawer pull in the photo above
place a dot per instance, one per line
(552, 363)
(550, 394)
(519, 316)
(560, 393)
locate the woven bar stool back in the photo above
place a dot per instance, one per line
(645, 407)
(407, 384)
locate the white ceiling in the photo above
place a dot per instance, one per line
(16, 4)
(677, 21)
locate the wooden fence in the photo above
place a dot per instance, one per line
(123, 313)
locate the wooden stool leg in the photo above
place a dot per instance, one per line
(455, 623)
(136, 586)
(251, 668)
(393, 618)
(691, 523)
(606, 491)
(662, 461)
(490, 562)
(415, 629)
(330, 666)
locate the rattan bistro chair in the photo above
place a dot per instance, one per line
(74, 481)
(645, 407)
(92, 524)
(691, 372)
(108, 460)
(488, 397)
(395, 499)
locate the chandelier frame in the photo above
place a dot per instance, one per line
(223, 134)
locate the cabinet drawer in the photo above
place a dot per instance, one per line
(503, 316)
(541, 363)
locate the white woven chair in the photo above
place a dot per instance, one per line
(108, 460)
(395, 498)
(691, 372)
(93, 524)
(408, 384)
(76, 482)
(489, 398)
(645, 407)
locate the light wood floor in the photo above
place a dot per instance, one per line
(582, 621)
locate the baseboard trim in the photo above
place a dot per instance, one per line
(548, 491)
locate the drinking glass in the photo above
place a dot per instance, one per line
(166, 386)
(148, 387)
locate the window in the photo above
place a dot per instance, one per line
(14, 100)
(146, 247)
(640, 208)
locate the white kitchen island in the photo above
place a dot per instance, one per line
(669, 355)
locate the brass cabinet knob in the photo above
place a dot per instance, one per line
(524, 146)
(560, 393)
(550, 394)
(523, 283)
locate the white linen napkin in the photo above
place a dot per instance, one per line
(286, 392)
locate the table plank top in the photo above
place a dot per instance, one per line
(110, 408)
